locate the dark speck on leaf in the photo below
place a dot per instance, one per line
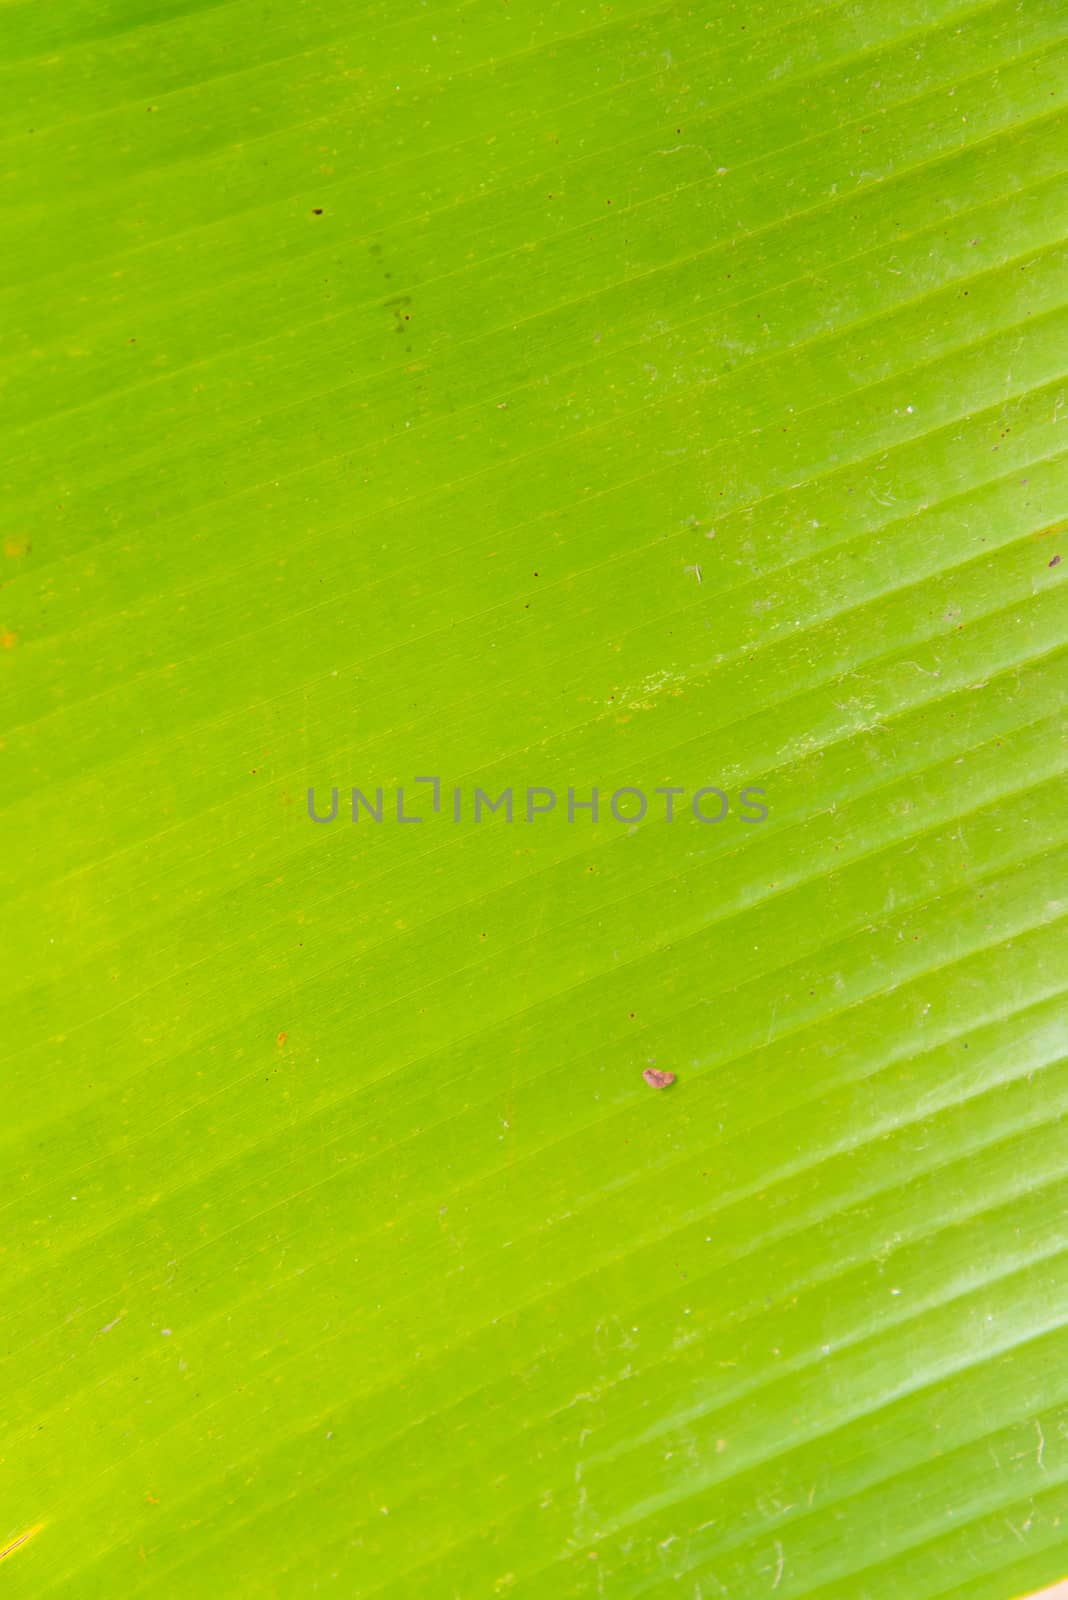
(657, 1079)
(317, 211)
(1056, 561)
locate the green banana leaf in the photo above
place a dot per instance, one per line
(478, 404)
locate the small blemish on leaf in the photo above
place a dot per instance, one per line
(657, 1079)
(22, 1539)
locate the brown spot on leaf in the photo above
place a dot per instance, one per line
(22, 1539)
(657, 1079)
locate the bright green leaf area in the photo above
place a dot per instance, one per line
(533, 395)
